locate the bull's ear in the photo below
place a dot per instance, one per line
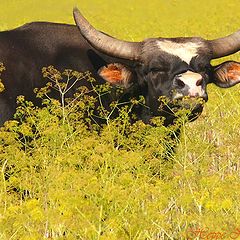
(227, 74)
(116, 74)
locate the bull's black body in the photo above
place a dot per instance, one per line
(26, 50)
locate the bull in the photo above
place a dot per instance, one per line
(171, 67)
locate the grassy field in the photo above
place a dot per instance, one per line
(79, 186)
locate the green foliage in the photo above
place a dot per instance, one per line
(62, 180)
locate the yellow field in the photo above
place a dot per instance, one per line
(113, 195)
(132, 19)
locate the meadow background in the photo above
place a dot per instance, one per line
(73, 184)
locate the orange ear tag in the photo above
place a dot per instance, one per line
(233, 72)
(112, 73)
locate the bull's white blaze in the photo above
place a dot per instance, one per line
(185, 51)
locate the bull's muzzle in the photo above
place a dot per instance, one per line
(189, 84)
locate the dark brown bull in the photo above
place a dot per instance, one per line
(170, 67)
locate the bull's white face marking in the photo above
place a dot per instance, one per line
(185, 51)
(190, 79)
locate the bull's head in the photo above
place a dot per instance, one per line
(171, 67)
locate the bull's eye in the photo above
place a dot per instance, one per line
(156, 70)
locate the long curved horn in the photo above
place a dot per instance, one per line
(105, 43)
(225, 46)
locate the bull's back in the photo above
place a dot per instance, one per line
(24, 51)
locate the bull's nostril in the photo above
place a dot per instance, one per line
(199, 82)
(179, 83)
